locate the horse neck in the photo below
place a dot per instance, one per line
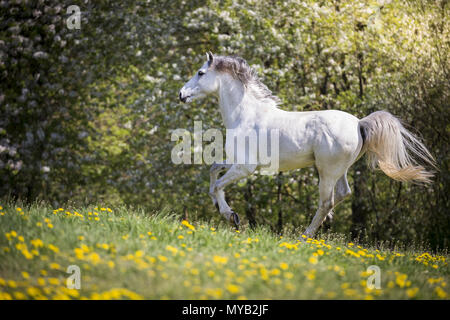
(236, 104)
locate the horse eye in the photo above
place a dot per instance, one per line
(200, 73)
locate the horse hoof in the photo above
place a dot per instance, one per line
(330, 216)
(235, 220)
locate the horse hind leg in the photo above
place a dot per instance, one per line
(326, 203)
(341, 191)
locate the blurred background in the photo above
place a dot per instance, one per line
(86, 114)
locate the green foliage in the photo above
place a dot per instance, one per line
(86, 115)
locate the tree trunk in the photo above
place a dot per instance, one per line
(360, 208)
(249, 209)
(280, 212)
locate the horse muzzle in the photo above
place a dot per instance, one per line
(183, 98)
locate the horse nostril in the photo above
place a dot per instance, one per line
(183, 99)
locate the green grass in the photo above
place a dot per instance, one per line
(118, 258)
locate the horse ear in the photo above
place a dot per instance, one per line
(210, 57)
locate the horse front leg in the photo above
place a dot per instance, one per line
(235, 173)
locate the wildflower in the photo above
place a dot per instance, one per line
(139, 253)
(412, 292)
(216, 293)
(233, 289)
(5, 296)
(188, 225)
(194, 272)
(275, 272)
(380, 257)
(27, 254)
(284, 265)
(350, 292)
(94, 258)
(440, 293)
(33, 292)
(25, 275)
(53, 248)
(401, 280)
(55, 266)
(19, 295)
(172, 249)
(312, 260)
(37, 243)
(310, 275)
(434, 280)
(288, 275)
(220, 260)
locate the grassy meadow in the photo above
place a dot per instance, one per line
(132, 254)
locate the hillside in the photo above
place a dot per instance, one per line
(132, 254)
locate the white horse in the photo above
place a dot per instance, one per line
(331, 140)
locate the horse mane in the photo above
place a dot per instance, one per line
(240, 70)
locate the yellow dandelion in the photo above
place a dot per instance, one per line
(412, 292)
(220, 260)
(232, 288)
(37, 243)
(55, 266)
(440, 293)
(312, 260)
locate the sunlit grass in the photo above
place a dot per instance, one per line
(132, 254)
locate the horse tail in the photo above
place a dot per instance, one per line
(394, 149)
